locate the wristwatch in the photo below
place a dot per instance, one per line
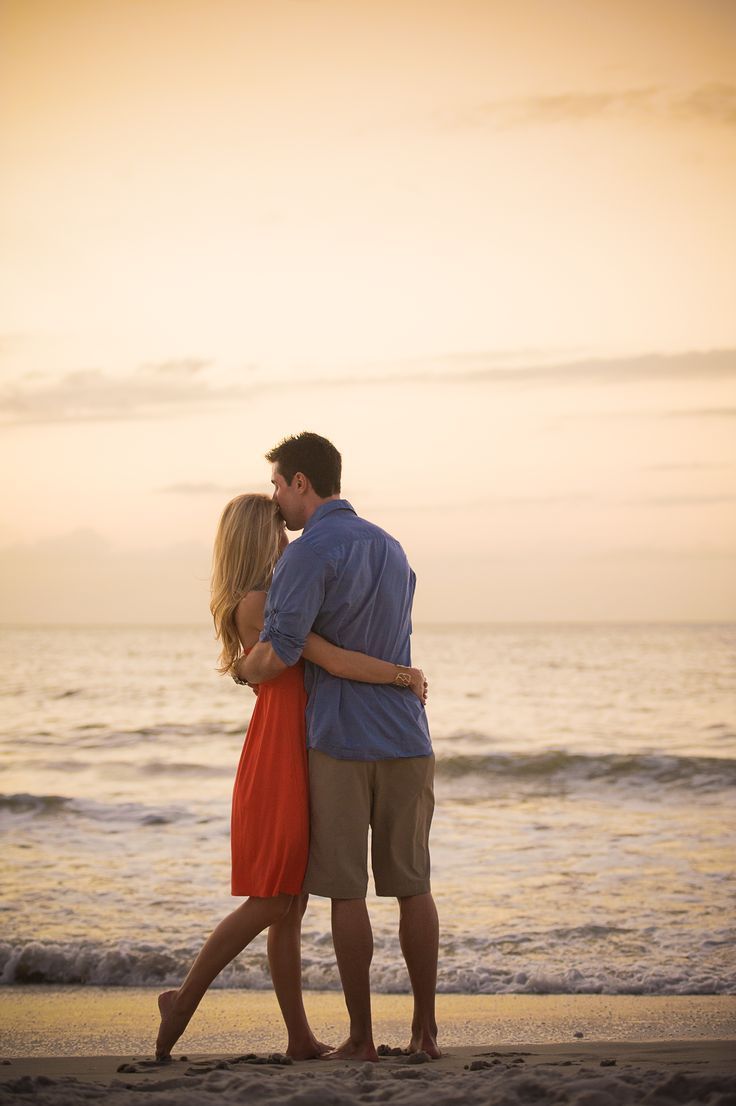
(236, 677)
(402, 677)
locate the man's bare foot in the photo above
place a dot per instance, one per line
(173, 1024)
(309, 1049)
(425, 1042)
(353, 1050)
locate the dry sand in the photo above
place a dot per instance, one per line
(633, 1049)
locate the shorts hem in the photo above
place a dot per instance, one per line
(404, 891)
(314, 889)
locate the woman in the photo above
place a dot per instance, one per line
(270, 811)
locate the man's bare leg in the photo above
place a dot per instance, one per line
(419, 937)
(285, 962)
(353, 939)
(224, 943)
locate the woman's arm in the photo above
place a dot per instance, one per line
(249, 617)
(248, 623)
(349, 665)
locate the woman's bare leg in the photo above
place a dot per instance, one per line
(224, 943)
(285, 962)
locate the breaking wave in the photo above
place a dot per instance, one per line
(695, 772)
(54, 806)
(142, 965)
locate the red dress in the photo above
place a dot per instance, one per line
(269, 829)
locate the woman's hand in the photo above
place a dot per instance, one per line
(418, 684)
(238, 674)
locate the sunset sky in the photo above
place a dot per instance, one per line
(486, 246)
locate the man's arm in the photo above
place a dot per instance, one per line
(261, 664)
(293, 602)
(347, 664)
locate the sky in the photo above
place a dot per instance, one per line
(488, 248)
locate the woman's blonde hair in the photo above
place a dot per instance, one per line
(247, 547)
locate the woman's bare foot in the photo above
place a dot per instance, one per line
(353, 1050)
(173, 1024)
(425, 1042)
(308, 1049)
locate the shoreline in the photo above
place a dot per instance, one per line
(47, 1020)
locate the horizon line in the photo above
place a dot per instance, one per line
(416, 624)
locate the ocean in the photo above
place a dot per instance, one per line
(583, 839)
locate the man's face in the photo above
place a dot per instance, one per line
(290, 503)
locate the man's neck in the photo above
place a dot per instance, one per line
(315, 503)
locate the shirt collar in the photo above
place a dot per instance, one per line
(326, 509)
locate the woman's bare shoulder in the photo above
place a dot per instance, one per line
(249, 611)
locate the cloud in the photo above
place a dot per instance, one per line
(74, 543)
(91, 394)
(168, 388)
(184, 366)
(714, 102)
(693, 365)
(493, 368)
(557, 108)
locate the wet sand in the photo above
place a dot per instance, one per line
(94, 1021)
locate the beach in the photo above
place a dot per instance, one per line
(588, 1050)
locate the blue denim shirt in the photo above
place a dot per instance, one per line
(350, 582)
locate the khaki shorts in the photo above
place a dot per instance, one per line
(395, 798)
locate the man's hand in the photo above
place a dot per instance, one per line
(418, 684)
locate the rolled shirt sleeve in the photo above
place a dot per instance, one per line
(294, 599)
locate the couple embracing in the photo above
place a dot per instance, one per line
(338, 741)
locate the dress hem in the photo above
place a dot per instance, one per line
(266, 894)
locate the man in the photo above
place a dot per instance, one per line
(370, 754)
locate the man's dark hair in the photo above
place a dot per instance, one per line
(314, 456)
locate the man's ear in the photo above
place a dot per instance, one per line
(301, 483)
